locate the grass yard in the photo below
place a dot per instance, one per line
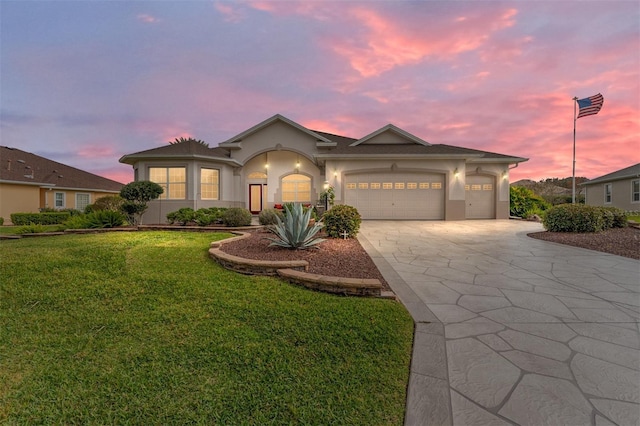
(12, 230)
(143, 328)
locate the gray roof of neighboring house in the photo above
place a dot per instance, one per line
(30, 169)
(626, 173)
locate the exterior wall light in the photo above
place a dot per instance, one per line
(456, 173)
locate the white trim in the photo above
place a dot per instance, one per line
(632, 192)
(76, 200)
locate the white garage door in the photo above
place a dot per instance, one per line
(480, 197)
(396, 195)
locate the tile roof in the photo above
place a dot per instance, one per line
(188, 148)
(339, 146)
(344, 147)
(21, 166)
(626, 173)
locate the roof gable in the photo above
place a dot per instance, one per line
(235, 142)
(390, 135)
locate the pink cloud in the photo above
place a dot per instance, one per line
(230, 11)
(147, 19)
(98, 150)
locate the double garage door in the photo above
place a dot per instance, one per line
(396, 195)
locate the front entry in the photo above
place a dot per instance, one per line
(257, 194)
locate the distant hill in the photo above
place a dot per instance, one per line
(554, 190)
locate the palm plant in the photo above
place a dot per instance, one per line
(294, 231)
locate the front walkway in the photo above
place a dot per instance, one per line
(512, 330)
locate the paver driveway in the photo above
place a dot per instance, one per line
(512, 330)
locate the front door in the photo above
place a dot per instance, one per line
(256, 195)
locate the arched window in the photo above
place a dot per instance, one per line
(257, 175)
(296, 188)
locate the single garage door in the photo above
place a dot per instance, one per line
(480, 196)
(396, 195)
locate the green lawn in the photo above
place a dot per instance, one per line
(12, 230)
(143, 328)
(634, 218)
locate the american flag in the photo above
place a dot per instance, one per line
(590, 105)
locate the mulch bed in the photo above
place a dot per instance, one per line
(333, 257)
(619, 241)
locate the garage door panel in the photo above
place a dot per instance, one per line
(396, 195)
(480, 197)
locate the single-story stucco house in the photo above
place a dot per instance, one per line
(387, 174)
(29, 182)
(617, 189)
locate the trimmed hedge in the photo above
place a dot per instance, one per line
(236, 216)
(583, 218)
(47, 218)
(341, 218)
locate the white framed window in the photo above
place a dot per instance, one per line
(412, 185)
(82, 201)
(59, 200)
(436, 185)
(387, 185)
(607, 193)
(399, 185)
(209, 184)
(351, 185)
(635, 191)
(172, 179)
(424, 185)
(363, 185)
(296, 188)
(375, 185)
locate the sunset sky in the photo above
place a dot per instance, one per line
(85, 82)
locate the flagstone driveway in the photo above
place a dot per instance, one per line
(512, 330)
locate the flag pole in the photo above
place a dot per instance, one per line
(573, 185)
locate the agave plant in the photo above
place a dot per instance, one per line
(294, 231)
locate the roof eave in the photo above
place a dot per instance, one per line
(499, 160)
(396, 156)
(134, 158)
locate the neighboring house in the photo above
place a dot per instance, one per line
(618, 189)
(29, 183)
(387, 174)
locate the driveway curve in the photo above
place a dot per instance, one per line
(509, 329)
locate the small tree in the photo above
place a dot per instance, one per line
(137, 195)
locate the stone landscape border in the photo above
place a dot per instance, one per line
(295, 272)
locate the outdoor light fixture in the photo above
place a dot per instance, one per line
(456, 173)
(326, 195)
(504, 174)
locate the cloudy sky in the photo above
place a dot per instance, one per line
(85, 82)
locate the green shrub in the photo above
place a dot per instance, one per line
(270, 216)
(237, 216)
(342, 218)
(104, 219)
(1, 220)
(181, 216)
(294, 231)
(76, 222)
(209, 216)
(32, 228)
(47, 218)
(619, 217)
(110, 202)
(573, 218)
(524, 202)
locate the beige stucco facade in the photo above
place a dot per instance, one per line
(253, 165)
(26, 198)
(621, 194)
